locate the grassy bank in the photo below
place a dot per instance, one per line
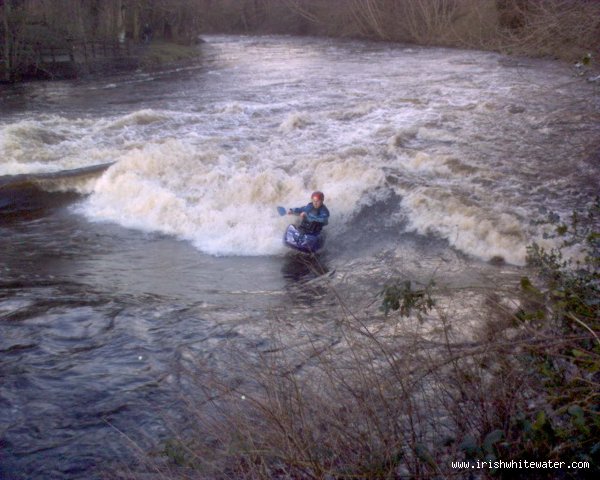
(158, 53)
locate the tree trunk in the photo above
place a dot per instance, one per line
(119, 23)
(135, 19)
(6, 53)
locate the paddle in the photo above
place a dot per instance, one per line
(282, 211)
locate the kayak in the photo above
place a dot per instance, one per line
(303, 242)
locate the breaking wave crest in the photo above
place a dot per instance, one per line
(448, 146)
(223, 204)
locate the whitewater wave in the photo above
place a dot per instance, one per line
(293, 121)
(445, 146)
(222, 204)
(137, 118)
(472, 228)
(221, 196)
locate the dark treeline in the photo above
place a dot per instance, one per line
(560, 28)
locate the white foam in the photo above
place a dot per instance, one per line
(436, 134)
(402, 137)
(294, 121)
(354, 112)
(271, 124)
(139, 117)
(476, 229)
(222, 204)
(423, 162)
(52, 144)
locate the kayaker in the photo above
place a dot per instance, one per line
(314, 216)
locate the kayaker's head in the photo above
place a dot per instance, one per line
(317, 199)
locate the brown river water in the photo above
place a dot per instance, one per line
(139, 231)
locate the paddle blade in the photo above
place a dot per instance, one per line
(281, 211)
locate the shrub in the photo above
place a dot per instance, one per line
(381, 402)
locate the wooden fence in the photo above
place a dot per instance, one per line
(82, 52)
(73, 58)
(37, 60)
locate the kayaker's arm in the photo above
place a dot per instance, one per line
(299, 210)
(306, 212)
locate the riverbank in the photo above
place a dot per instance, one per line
(160, 53)
(75, 61)
(557, 29)
(155, 55)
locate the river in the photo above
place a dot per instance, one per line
(139, 229)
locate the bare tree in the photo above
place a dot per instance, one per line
(13, 49)
(561, 28)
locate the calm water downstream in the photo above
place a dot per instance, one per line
(138, 229)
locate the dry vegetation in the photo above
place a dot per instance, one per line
(558, 28)
(563, 29)
(387, 400)
(404, 395)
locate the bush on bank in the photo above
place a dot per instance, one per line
(556, 28)
(380, 402)
(569, 368)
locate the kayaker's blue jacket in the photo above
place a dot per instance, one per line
(315, 220)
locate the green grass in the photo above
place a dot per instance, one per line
(159, 53)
